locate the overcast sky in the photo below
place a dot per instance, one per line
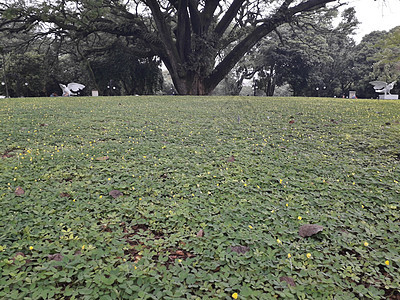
(376, 15)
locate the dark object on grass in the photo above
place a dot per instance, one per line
(102, 158)
(115, 193)
(56, 257)
(200, 233)
(19, 191)
(231, 159)
(289, 280)
(310, 229)
(239, 249)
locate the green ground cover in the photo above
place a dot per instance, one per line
(198, 198)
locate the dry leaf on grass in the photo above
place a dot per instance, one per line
(240, 249)
(102, 158)
(289, 280)
(310, 229)
(19, 191)
(115, 193)
(200, 233)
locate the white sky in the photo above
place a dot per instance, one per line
(375, 15)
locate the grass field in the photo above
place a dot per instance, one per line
(199, 198)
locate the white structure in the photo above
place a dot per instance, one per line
(383, 87)
(352, 95)
(71, 89)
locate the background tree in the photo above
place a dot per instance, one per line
(26, 74)
(387, 65)
(188, 35)
(94, 61)
(312, 55)
(118, 70)
(376, 58)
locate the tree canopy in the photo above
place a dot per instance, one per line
(198, 41)
(312, 55)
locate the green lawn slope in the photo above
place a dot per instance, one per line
(199, 198)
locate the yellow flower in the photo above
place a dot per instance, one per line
(251, 227)
(83, 247)
(101, 196)
(278, 241)
(289, 255)
(308, 255)
(280, 181)
(387, 262)
(30, 248)
(287, 204)
(235, 295)
(108, 179)
(366, 244)
(299, 218)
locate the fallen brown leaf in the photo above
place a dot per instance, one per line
(239, 249)
(19, 191)
(289, 280)
(115, 193)
(102, 158)
(200, 233)
(56, 257)
(231, 159)
(310, 229)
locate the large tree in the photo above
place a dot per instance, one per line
(313, 55)
(387, 66)
(188, 35)
(376, 57)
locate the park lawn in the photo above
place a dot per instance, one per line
(199, 197)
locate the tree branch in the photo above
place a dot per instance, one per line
(208, 12)
(228, 17)
(183, 36)
(170, 51)
(282, 15)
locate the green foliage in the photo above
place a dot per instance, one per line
(376, 58)
(247, 171)
(27, 74)
(189, 37)
(313, 56)
(387, 64)
(119, 66)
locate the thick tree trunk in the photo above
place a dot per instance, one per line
(189, 83)
(192, 86)
(188, 48)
